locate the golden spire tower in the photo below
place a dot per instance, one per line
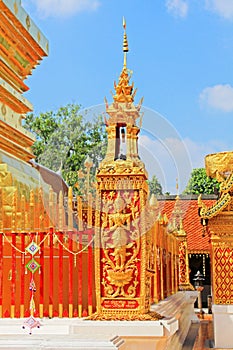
(122, 240)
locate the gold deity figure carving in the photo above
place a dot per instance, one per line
(119, 225)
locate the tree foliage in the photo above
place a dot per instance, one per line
(154, 186)
(64, 139)
(199, 182)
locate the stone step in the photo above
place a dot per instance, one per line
(52, 343)
(53, 334)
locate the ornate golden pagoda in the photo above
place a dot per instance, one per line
(123, 240)
(176, 226)
(22, 47)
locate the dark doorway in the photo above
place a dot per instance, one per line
(201, 262)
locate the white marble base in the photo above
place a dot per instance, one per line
(66, 333)
(223, 326)
(180, 307)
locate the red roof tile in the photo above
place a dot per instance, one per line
(191, 221)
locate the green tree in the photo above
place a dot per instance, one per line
(42, 127)
(154, 186)
(199, 182)
(64, 139)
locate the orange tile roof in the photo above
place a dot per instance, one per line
(191, 220)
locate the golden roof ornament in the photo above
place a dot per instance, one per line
(124, 91)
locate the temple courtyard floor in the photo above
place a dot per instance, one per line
(201, 335)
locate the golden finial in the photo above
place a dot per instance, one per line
(124, 23)
(177, 186)
(124, 91)
(125, 42)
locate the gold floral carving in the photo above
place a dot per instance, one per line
(223, 274)
(120, 241)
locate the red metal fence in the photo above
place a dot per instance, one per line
(59, 267)
(62, 271)
(47, 266)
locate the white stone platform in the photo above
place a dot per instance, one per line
(66, 333)
(223, 326)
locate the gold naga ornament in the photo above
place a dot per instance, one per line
(122, 236)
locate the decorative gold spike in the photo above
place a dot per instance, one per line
(79, 310)
(177, 186)
(21, 310)
(89, 211)
(60, 310)
(60, 219)
(41, 209)
(41, 310)
(50, 310)
(12, 311)
(90, 312)
(70, 209)
(80, 213)
(51, 206)
(70, 310)
(14, 211)
(32, 211)
(23, 213)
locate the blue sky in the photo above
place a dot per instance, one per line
(181, 55)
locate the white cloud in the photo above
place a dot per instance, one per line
(177, 7)
(218, 97)
(64, 8)
(224, 8)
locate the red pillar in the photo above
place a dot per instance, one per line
(51, 272)
(1, 272)
(60, 291)
(22, 276)
(80, 276)
(90, 272)
(13, 274)
(41, 271)
(71, 266)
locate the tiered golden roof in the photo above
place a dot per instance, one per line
(22, 46)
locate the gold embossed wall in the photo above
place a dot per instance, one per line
(223, 273)
(217, 222)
